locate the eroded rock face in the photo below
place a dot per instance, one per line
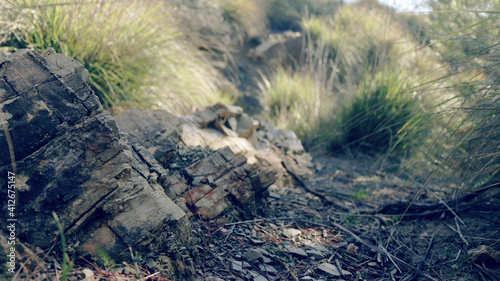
(224, 160)
(71, 160)
(132, 180)
(203, 181)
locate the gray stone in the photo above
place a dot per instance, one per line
(260, 278)
(291, 232)
(256, 241)
(267, 260)
(237, 266)
(268, 268)
(252, 255)
(315, 254)
(329, 269)
(297, 252)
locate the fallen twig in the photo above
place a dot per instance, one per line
(259, 220)
(395, 208)
(426, 252)
(460, 232)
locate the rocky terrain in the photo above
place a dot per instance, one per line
(215, 195)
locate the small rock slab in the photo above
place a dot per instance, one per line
(260, 278)
(237, 266)
(256, 241)
(268, 268)
(315, 254)
(291, 232)
(329, 269)
(252, 255)
(297, 252)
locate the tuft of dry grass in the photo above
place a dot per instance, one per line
(134, 50)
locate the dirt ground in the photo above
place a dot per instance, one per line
(364, 242)
(368, 233)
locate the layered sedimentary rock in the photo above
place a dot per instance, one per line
(68, 158)
(130, 181)
(220, 159)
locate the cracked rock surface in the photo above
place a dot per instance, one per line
(71, 160)
(131, 182)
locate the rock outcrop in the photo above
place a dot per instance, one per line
(129, 182)
(69, 159)
(221, 160)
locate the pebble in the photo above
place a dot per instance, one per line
(274, 194)
(260, 278)
(257, 242)
(291, 232)
(297, 252)
(339, 245)
(268, 268)
(315, 254)
(238, 266)
(264, 252)
(252, 255)
(151, 263)
(329, 269)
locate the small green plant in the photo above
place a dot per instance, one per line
(66, 264)
(104, 259)
(361, 194)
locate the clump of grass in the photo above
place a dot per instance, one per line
(130, 48)
(301, 99)
(66, 263)
(248, 15)
(104, 259)
(287, 14)
(356, 88)
(293, 101)
(361, 36)
(383, 111)
(114, 42)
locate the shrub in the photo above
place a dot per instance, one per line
(248, 15)
(383, 111)
(295, 100)
(287, 14)
(357, 87)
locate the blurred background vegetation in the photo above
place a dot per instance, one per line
(421, 88)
